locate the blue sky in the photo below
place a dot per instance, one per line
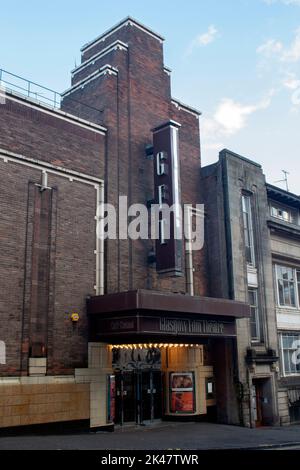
(238, 61)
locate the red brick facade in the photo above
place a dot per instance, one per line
(136, 98)
(48, 238)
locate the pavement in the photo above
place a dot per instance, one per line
(167, 436)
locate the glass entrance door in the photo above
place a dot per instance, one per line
(146, 395)
(138, 396)
(151, 395)
(157, 394)
(125, 397)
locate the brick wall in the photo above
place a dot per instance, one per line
(135, 100)
(44, 136)
(68, 268)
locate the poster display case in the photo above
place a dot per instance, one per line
(182, 392)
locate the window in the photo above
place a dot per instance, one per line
(255, 327)
(288, 286)
(248, 230)
(290, 349)
(286, 214)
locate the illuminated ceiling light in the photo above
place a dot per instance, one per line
(151, 345)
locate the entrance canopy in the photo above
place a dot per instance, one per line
(144, 315)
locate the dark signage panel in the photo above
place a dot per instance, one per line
(167, 327)
(167, 194)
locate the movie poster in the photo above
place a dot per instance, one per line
(182, 392)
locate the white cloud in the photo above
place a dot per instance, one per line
(216, 146)
(291, 82)
(270, 48)
(203, 39)
(292, 53)
(229, 118)
(282, 61)
(274, 48)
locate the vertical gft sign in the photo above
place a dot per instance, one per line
(168, 198)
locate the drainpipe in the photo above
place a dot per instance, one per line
(189, 255)
(100, 241)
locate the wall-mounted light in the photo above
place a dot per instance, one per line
(149, 151)
(75, 317)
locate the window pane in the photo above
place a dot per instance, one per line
(248, 231)
(285, 341)
(251, 297)
(280, 291)
(298, 286)
(286, 362)
(286, 292)
(254, 315)
(290, 359)
(287, 289)
(293, 295)
(287, 214)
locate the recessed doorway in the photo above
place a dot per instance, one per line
(138, 396)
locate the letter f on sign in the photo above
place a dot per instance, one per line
(2, 353)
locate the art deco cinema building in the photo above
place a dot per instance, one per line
(116, 331)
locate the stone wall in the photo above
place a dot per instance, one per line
(42, 400)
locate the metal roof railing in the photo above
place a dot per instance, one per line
(47, 97)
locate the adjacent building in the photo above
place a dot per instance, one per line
(253, 252)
